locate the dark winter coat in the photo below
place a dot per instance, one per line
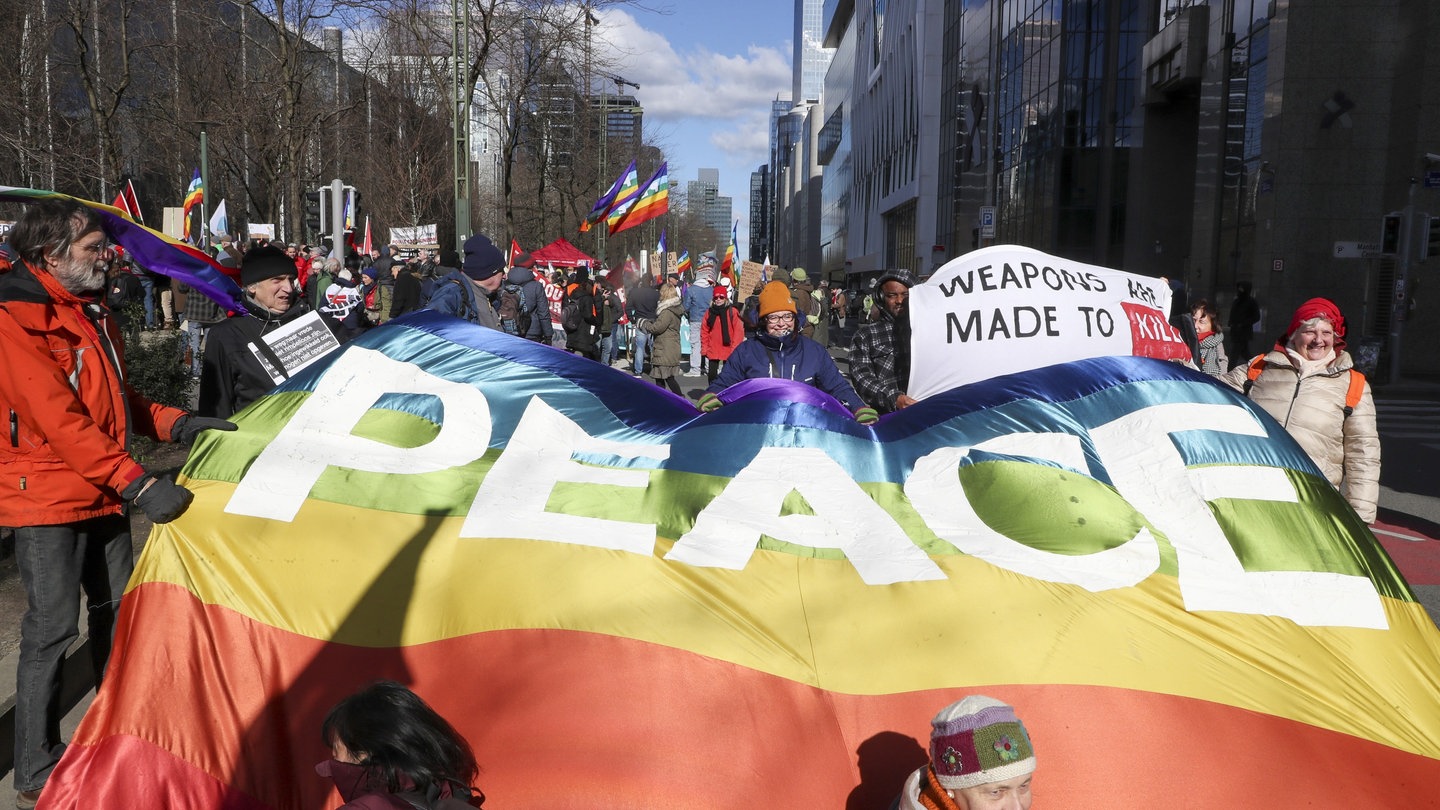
(585, 339)
(231, 376)
(793, 357)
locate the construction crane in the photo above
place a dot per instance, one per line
(620, 83)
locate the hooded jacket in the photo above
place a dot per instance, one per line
(69, 410)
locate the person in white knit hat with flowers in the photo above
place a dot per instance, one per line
(980, 759)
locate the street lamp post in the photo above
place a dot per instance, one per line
(204, 180)
(460, 91)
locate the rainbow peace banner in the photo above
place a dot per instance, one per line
(150, 248)
(625, 604)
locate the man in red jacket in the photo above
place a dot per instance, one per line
(66, 475)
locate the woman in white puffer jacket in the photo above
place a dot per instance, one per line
(1305, 382)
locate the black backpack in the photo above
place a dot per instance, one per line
(513, 315)
(123, 289)
(570, 317)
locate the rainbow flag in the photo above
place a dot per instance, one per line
(627, 180)
(609, 593)
(652, 201)
(727, 263)
(684, 264)
(153, 250)
(194, 195)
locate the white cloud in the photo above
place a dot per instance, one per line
(748, 141)
(729, 94)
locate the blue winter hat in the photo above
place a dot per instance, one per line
(482, 258)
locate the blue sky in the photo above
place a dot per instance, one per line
(707, 71)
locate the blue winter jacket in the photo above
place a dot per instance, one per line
(793, 357)
(456, 295)
(697, 300)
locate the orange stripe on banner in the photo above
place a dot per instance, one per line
(569, 719)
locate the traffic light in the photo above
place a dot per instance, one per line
(1432, 236)
(317, 212)
(1390, 234)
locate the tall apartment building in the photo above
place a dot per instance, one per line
(703, 198)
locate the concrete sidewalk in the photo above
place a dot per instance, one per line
(76, 693)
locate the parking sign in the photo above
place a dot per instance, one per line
(987, 222)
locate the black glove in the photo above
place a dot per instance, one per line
(187, 427)
(161, 499)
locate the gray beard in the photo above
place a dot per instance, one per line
(80, 277)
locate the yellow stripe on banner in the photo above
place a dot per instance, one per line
(370, 578)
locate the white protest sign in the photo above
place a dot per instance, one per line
(416, 235)
(296, 345)
(1004, 309)
(261, 230)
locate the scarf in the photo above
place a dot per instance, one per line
(1309, 368)
(933, 796)
(719, 313)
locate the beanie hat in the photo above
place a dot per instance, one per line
(482, 259)
(979, 740)
(798, 274)
(776, 298)
(450, 258)
(1317, 308)
(523, 260)
(721, 291)
(265, 263)
(581, 275)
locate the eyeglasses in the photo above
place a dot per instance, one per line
(779, 317)
(95, 247)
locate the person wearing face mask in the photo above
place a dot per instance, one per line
(231, 376)
(1309, 384)
(391, 751)
(66, 475)
(780, 351)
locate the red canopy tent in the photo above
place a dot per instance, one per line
(561, 253)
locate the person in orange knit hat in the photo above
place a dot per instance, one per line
(780, 351)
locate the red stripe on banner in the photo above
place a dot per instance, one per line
(564, 719)
(134, 773)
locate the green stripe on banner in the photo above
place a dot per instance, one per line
(1323, 534)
